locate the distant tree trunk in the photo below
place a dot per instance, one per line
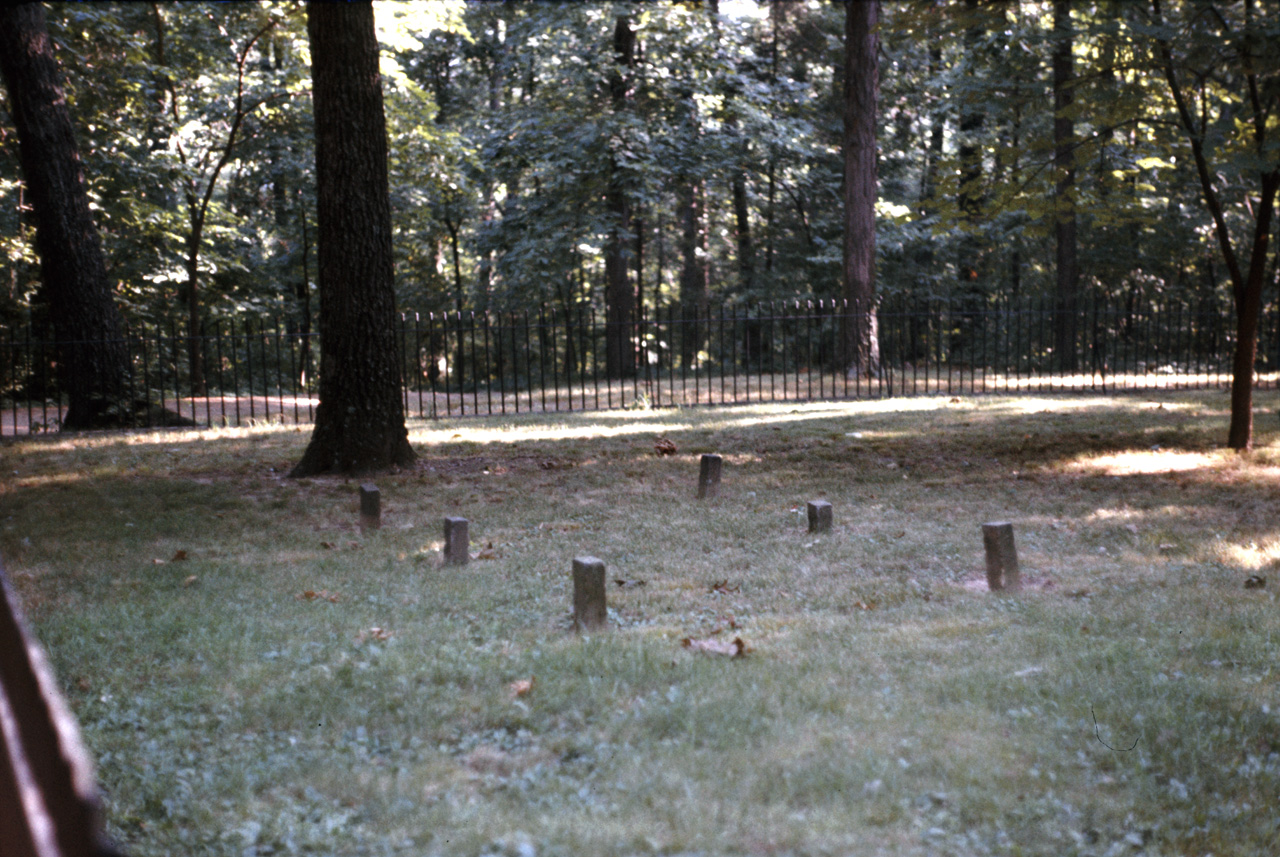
(860, 342)
(92, 361)
(619, 298)
(1068, 277)
(360, 421)
(693, 270)
(969, 197)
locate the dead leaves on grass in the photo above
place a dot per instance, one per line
(318, 595)
(379, 635)
(734, 648)
(665, 446)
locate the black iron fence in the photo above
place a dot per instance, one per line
(548, 359)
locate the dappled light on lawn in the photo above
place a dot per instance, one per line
(1145, 462)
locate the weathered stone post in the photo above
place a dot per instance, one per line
(589, 610)
(1002, 556)
(819, 516)
(370, 507)
(457, 542)
(709, 476)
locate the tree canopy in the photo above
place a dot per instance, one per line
(619, 156)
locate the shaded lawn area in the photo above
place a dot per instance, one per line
(254, 675)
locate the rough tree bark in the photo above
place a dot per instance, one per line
(92, 360)
(860, 340)
(1068, 275)
(619, 297)
(360, 420)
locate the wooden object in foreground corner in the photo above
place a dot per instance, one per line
(48, 801)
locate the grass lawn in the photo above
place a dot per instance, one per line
(256, 676)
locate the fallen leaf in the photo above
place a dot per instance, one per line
(865, 605)
(1255, 581)
(157, 562)
(190, 581)
(723, 587)
(1133, 528)
(521, 687)
(327, 545)
(380, 635)
(733, 649)
(664, 446)
(488, 552)
(180, 556)
(628, 584)
(321, 595)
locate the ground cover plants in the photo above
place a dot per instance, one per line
(254, 675)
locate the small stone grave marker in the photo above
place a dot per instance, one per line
(819, 516)
(709, 476)
(1002, 556)
(457, 541)
(589, 609)
(370, 507)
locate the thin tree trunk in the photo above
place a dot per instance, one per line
(693, 271)
(1246, 287)
(619, 296)
(1067, 272)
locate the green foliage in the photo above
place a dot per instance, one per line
(503, 141)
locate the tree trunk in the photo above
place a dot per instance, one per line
(693, 271)
(1246, 287)
(860, 342)
(360, 420)
(92, 361)
(195, 331)
(1068, 277)
(969, 198)
(619, 299)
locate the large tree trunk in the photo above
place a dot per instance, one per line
(1068, 276)
(360, 421)
(92, 361)
(619, 298)
(860, 342)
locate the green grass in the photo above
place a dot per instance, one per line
(888, 703)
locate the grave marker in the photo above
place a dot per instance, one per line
(819, 516)
(457, 542)
(589, 609)
(1002, 556)
(709, 476)
(370, 507)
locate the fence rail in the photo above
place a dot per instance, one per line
(550, 359)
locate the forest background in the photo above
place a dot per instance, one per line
(1025, 149)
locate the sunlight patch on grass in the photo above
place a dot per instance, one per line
(1137, 462)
